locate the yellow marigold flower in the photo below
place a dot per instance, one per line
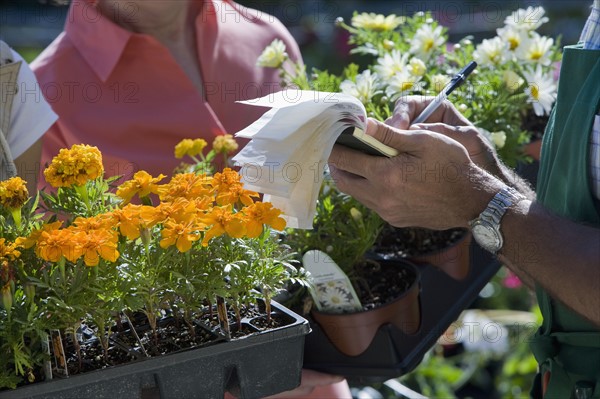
(8, 250)
(129, 220)
(99, 244)
(53, 245)
(185, 185)
(189, 147)
(182, 234)
(225, 144)
(13, 193)
(75, 166)
(222, 220)
(142, 184)
(259, 214)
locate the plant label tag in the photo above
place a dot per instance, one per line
(330, 287)
(59, 354)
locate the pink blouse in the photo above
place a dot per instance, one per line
(124, 92)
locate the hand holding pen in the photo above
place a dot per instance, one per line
(455, 82)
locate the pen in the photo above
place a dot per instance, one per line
(456, 81)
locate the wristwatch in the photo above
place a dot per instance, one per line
(486, 228)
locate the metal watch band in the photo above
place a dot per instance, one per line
(486, 228)
(499, 204)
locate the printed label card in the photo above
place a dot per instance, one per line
(331, 289)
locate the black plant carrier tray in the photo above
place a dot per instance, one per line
(205, 372)
(392, 352)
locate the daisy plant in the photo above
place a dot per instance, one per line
(196, 247)
(509, 96)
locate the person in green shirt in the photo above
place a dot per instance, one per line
(551, 239)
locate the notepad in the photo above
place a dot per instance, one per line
(290, 144)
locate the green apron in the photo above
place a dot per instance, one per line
(566, 344)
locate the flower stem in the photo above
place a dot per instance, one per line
(83, 194)
(16, 214)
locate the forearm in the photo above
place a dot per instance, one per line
(560, 255)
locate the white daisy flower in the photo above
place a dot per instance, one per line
(334, 299)
(499, 139)
(400, 84)
(491, 52)
(536, 49)
(541, 91)
(365, 87)
(378, 22)
(273, 55)
(426, 39)
(527, 19)
(439, 81)
(390, 64)
(513, 36)
(417, 67)
(512, 80)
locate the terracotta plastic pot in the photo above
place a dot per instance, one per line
(534, 149)
(453, 260)
(352, 333)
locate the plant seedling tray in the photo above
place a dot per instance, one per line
(201, 373)
(393, 353)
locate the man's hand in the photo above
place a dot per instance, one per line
(432, 183)
(448, 121)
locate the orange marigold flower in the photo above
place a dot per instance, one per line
(223, 180)
(99, 244)
(230, 190)
(259, 214)
(129, 220)
(13, 193)
(8, 250)
(235, 194)
(224, 144)
(104, 221)
(179, 209)
(189, 147)
(185, 185)
(31, 240)
(180, 233)
(222, 220)
(142, 184)
(53, 245)
(75, 166)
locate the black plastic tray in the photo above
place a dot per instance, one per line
(393, 353)
(196, 373)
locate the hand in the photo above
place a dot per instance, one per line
(448, 121)
(310, 380)
(432, 183)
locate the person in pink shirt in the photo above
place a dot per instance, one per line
(136, 77)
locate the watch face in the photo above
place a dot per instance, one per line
(487, 237)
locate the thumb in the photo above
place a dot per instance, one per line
(402, 140)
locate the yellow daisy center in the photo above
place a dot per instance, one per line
(535, 92)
